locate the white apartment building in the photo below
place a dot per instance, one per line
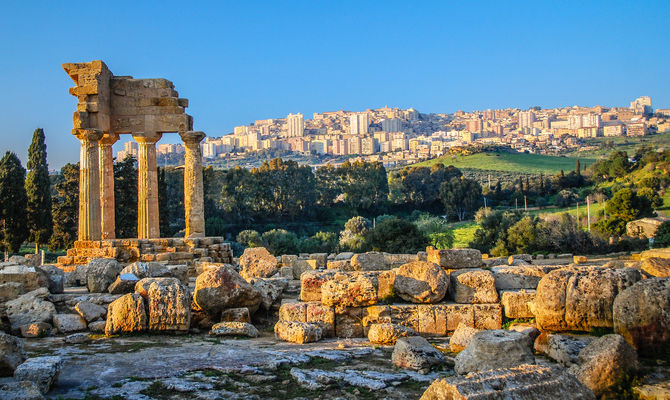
(358, 123)
(296, 125)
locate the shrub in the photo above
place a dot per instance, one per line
(662, 237)
(280, 241)
(249, 238)
(395, 235)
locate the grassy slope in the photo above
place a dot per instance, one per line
(627, 144)
(510, 162)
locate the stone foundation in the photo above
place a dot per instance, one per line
(170, 250)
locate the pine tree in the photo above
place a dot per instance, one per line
(578, 168)
(38, 189)
(13, 199)
(65, 208)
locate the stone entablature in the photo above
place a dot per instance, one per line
(170, 250)
(111, 105)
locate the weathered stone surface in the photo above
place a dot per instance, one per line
(514, 277)
(169, 305)
(415, 353)
(101, 273)
(126, 314)
(605, 362)
(222, 287)
(28, 276)
(124, 283)
(142, 286)
(388, 334)
(349, 322)
(97, 326)
(520, 382)
(257, 262)
(311, 282)
(271, 291)
(493, 349)
(67, 323)
(30, 308)
(642, 315)
(297, 332)
(77, 338)
(299, 266)
(656, 266)
(516, 303)
(462, 337)
(322, 316)
(579, 298)
(10, 291)
(55, 277)
(22, 390)
(34, 330)
(473, 286)
(421, 282)
(349, 291)
(370, 261)
(519, 257)
(89, 311)
(42, 371)
(487, 316)
(240, 314)
(653, 391)
(455, 258)
(527, 329)
(293, 311)
(564, 349)
(234, 328)
(11, 353)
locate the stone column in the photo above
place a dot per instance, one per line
(147, 186)
(107, 221)
(194, 205)
(89, 184)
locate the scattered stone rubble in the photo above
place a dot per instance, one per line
(456, 298)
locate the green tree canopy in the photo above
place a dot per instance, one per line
(13, 217)
(461, 197)
(125, 197)
(395, 235)
(65, 208)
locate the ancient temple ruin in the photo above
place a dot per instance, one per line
(110, 106)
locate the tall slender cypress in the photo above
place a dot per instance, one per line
(13, 219)
(38, 189)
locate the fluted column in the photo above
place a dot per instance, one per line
(89, 184)
(147, 186)
(107, 220)
(194, 204)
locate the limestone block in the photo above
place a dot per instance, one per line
(370, 261)
(350, 291)
(641, 315)
(405, 315)
(35, 330)
(462, 337)
(517, 276)
(97, 326)
(29, 277)
(519, 382)
(349, 323)
(89, 311)
(473, 286)
(432, 319)
(234, 328)
(493, 349)
(101, 273)
(11, 291)
(396, 260)
(42, 371)
(297, 332)
(124, 283)
(311, 282)
(293, 311)
(579, 259)
(322, 316)
(516, 303)
(320, 258)
(388, 334)
(236, 315)
(30, 308)
(67, 323)
(169, 306)
(580, 298)
(459, 313)
(564, 349)
(126, 314)
(342, 265)
(421, 282)
(77, 338)
(415, 353)
(257, 262)
(525, 258)
(488, 316)
(219, 288)
(455, 258)
(656, 266)
(377, 314)
(11, 354)
(300, 266)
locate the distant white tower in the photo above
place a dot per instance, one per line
(296, 125)
(359, 123)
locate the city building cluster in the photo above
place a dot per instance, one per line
(402, 136)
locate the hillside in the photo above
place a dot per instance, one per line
(510, 162)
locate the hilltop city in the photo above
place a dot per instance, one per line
(398, 137)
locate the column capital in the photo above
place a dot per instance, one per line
(109, 138)
(91, 135)
(192, 137)
(147, 137)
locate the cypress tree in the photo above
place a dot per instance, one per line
(163, 208)
(38, 189)
(65, 208)
(13, 219)
(578, 168)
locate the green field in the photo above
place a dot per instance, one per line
(627, 144)
(510, 162)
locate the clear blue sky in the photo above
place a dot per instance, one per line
(241, 61)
